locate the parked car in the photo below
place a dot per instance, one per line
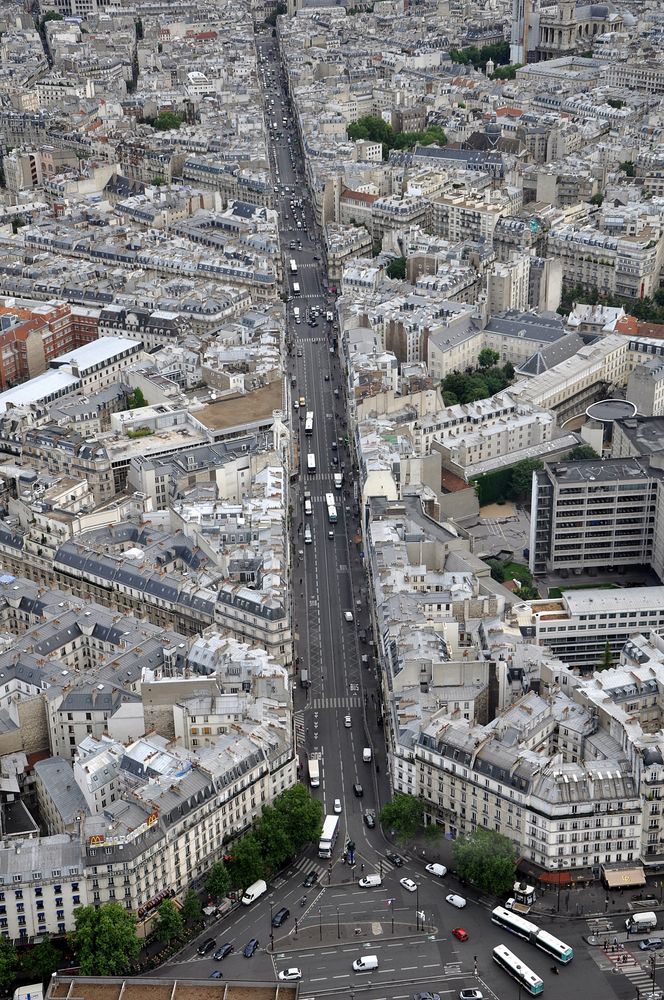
(460, 933)
(206, 946)
(250, 947)
(426, 996)
(216, 974)
(471, 995)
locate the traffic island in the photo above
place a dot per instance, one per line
(312, 933)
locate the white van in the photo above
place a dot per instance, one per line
(641, 921)
(308, 509)
(440, 871)
(367, 755)
(370, 881)
(365, 963)
(254, 892)
(307, 535)
(296, 312)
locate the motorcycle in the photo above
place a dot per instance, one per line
(303, 901)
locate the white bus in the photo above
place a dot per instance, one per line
(293, 266)
(311, 462)
(518, 970)
(531, 932)
(328, 837)
(331, 508)
(309, 422)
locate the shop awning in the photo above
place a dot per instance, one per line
(623, 878)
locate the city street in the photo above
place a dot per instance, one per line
(335, 921)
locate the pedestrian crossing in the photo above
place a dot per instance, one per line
(600, 925)
(298, 719)
(641, 978)
(348, 702)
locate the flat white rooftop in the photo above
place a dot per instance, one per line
(590, 602)
(50, 385)
(98, 352)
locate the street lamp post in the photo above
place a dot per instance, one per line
(271, 928)
(338, 927)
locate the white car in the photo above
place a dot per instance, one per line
(337, 805)
(455, 900)
(408, 884)
(290, 975)
(348, 615)
(348, 722)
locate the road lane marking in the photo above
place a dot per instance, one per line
(436, 965)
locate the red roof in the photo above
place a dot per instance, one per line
(367, 199)
(509, 112)
(626, 324)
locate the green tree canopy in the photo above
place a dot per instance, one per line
(522, 477)
(247, 864)
(506, 72)
(486, 859)
(498, 53)
(627, 166)
(582, 453)
(397, 268)
(169, 923)
(404, 814)
(192, 911)
(275, 844)
(488, 358)
(137, 399)
(607, 657)
(104, 939)
(371, 127)
(166, 121)
(597, 199)
(477, 383)
(300, 814)
(8, 963)
(218, 881)
(42, 961)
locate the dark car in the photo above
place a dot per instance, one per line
(216, 974)
(310, 880)
(206, 946)
(395, 859)
(250, 947)
(225, 949)
(370, 818)
(358, 790)
(280, 916)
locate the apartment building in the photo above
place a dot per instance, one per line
(645, 388)
(593, 514)
(627, 265)
(558, 813)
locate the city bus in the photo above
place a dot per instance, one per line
(331, 508)
(311, 462)
(309, 422)
(314, 772)
(293, 266)
(296, 288)
(515, 924)
(328, 837)
(515, 968)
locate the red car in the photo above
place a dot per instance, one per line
(460, 933)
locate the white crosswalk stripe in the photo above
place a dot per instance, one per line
(600, 925)
(298, 718)
(352, 701)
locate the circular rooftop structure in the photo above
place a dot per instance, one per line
(606, 411)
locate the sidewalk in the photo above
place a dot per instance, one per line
(572, 902)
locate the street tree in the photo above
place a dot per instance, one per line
(607, 657)
(522, 477)
(247, 864)
(300, 814)
(272, 836)
(137, 399)
(167, 121)
(42, 961)
(8, 963)
(169, 923)
(192, 911)
(218, 881)
(404, 814)
(104, 939)
(488, 358)
(486, 859)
